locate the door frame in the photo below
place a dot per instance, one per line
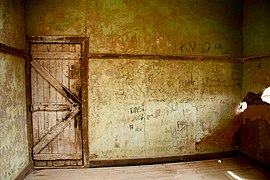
(84, 41)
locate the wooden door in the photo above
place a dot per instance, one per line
(56, 104)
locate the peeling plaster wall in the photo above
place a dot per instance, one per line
(143, 108)
(13, 130)
(256, 76)
(165, 27)
(56, 17)
(152, 108)
(12, 23)
(13, 134)
(183, 27)
(254, 139)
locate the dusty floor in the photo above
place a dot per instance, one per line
(227, 168)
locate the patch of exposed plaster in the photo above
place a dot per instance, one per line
(257, 112)
(223, 139)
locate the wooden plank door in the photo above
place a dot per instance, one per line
(56, 104)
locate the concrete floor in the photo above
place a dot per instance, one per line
(227, 168)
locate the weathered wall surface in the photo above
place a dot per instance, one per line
(256, 27)
(254, 139)
(165, 27)
(151, 108)
(255, 131)
(13, 133)
(56, 17)
(142, 108)
(256, 76)
(143, 27)
(12, 23)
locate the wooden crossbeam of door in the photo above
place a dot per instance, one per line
(55, 83)
(55, 130)
(61, 156)
(50, 107)
(56, 55)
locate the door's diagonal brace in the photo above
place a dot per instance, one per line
(55, 83)
(55, 130)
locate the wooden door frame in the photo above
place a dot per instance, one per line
(84, 82)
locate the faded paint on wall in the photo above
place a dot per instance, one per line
(255, 127)
(142, 108)
(143, 27)
(13, 134)
(13, 130)
(256, 27)
(255, 131)
(165, 27)
(12, 23)
(256, 76)
(56, 17)
(151, 108)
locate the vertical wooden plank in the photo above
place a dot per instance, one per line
(74, 125)
(77, 47)
(40, 94)
(46, 97)
(35, 117)
(59, 98)
(65, 133)
(67, 162)
(56, 163)
(71, 80)
(65, 47)
(76, 90)
(53, 100)
(84, 105)
(79, 162)
(53, 92)
(73, 162)
(49, 163)
(72, 48)
(66, 82)
(34, 89)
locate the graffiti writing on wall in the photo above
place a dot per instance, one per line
(136, 118)
(199, 46)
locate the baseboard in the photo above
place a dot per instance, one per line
(255, 161)
(160, 160)
(25, 171)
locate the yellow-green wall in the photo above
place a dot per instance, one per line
(256, 34)
(13, 134)
(151, 108)
(143, 27)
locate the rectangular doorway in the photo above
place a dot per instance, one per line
(58, 68)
